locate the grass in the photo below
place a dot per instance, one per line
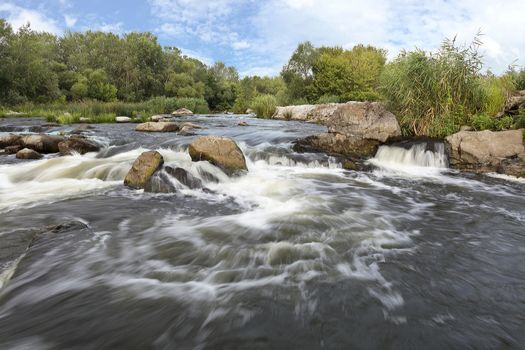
(264, 105)
(105, 112)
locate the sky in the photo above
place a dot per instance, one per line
(258, 36)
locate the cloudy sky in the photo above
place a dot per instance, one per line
(258, 36)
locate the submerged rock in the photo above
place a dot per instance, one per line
(77, 144)
(355, 129)
(485, 151)
(192, 125)
(157, 127)
(243, 123)
(159, 182)
(82, 128)
(220, 151)
(27, 153)
(184, 177)
(143, 168)
(42, 143)
(182, 112)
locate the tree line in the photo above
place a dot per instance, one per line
(432, 93)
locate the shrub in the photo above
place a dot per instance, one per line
(504, 123)
(482, 122)
(434, 93)
(328, 99)
(496, 91)
(264, 105)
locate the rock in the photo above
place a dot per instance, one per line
(355, 129)
(243, 123)
(513, 167)
(78, 145)
(27, 153)
(10, 140)
(317, 113)
(514, 103)
(157, 127)
(466, 128)
(483, 151)
(143, 168)
(42, 143)
(220, 151)
(349, 165)
(182, 112)
(159, 183)
(192, 125)
(84, 120)
(184, 177)
(251, 111)
(123, 119)
(186, 131)
(157, 117)
(81, 129)
(338, 144)
(13, 149)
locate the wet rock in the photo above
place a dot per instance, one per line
(78, 145)
(484, 151)
(123, 119)
(513, 167)
(355, 129)
(10, 140)
(27, 153)
(182, 112)
(143, 168)
(186, 131)
(157, 117)
(84, 120)
(192, 125)
(184, 177)
(82, 128)
(243, 123)
(159, 182)
(338, 144)
(349, 165)
(220, 151)
(12, 149)
(42, 143)
(157, 127)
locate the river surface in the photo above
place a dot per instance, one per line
(296, 254)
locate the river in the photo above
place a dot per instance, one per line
(296, 254)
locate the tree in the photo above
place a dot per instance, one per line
(298, 72)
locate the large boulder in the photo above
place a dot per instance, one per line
(182, 112)
(158, 117)
(483, 151)
(143, 168)
(42, 143)
(514, 103)
(27, 153)
(187, 131)
(77, 145)
(157, 127)
(355, 129)
(220, 151)
(314, 113)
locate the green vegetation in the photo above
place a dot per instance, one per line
(99, 75)
(264, 105)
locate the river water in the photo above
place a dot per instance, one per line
(297, 254)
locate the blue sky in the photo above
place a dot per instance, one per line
(258, 36)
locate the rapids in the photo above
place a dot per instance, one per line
(297, 253)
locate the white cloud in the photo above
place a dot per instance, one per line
(110, 27)
(18, 16)
(70, 21)
(194, 54)
(268, 31)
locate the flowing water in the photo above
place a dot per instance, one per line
(296, 254)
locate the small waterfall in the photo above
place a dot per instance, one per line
(421, 155)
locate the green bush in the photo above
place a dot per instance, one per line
(264, 105)
(328, 99)
(496, 91)
(504, 123)
(482, 122)
(434, 93)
